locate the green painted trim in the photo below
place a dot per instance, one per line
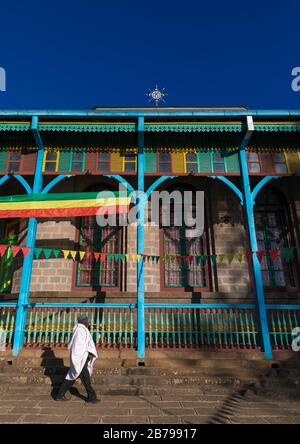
(15, 126)
(192, 128)
(90, 128)
(83, 160)
(58, 196)
(286, 127)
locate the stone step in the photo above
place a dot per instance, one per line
(130, 353)
(31, 376)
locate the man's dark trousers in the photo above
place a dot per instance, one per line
(86, 381)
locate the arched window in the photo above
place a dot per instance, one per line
(178, 241)
(93, 238)
(273, 232)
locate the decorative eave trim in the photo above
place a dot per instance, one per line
(15, 126)
(277, 127)
(89, 127)
(193, 128)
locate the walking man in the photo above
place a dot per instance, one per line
(83, 354)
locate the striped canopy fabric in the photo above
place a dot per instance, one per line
(63, 204)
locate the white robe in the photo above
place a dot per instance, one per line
(80, 346)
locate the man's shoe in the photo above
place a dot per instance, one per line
(63, 398)
(93, 401)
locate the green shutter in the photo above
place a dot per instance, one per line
(232, 162)
(150, 162)
(3, 159)
(204, 162)
(64, 161)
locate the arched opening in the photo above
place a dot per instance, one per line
(273, 232)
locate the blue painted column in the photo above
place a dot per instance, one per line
(140, 243)
(256, 269)
(23, 299)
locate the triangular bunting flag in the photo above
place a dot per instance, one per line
(109, 256)
(37, 252)
(240, 256)
(25, 250)
(248, 255)
(213, 259)
(260, 255)
(81, 255)
(96, 255)
(156, 258)
(122, 257)
(221, 257)
(230, 257)
(198, 260)
(15, 250)
(204, 259)
(127, 257)
(273, 254)
(47, 252)
(66, 253)
(287, 253)
(73, 254)
(3, 249)
(56, 253)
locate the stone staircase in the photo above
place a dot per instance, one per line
(118, 372)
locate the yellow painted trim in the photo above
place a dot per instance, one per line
(129, 161)
(102, 202)
(56, 161)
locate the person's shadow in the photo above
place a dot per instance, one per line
(56, 371)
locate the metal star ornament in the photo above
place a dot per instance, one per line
(156, 95)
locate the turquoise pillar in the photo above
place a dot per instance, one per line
(140, 243)
(250, 222)
(23, 299)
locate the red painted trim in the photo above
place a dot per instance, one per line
(64, 212)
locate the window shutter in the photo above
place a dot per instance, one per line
(177, 162)
(91, 162)
(116, 162)
(232, 162)
(150, 162)
(293, 163)
(28, 163)
(204, 162)
(64, 161)
(266, 163)
(3, 159)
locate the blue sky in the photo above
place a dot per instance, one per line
(80, 54)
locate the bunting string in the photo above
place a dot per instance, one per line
(286, 253)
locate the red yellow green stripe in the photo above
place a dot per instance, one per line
(63, 204)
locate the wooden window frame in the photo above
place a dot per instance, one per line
(186, 162)
(20, 162)
(159, 162)
(213, 162)
(91, 288)
(52, 161)
(129, 161)
(108, 161)
(258, 162)
(83, 161)
(275, 163)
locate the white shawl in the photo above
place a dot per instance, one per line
(80, 346)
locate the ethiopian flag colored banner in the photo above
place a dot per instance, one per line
(64, 204)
